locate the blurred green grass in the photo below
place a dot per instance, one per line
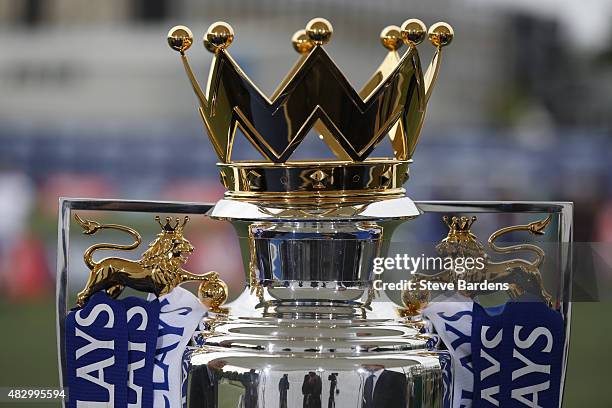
(28, 355)
(28, 350)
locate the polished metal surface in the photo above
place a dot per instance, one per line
(342, 334)
(285, 121)
(66, 208)
(390, 209)
(314, 347)
(316, 94)
(220, 378)
(522, 274)
(341, 253)
(158, 271)
(315, 181)
(311, 324)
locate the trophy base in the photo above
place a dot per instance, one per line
(303, 345)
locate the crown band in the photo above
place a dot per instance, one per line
(330, 180)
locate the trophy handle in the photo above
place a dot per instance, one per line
(66, 208)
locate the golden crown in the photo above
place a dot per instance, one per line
(459, 229)
(459, 225)
(169, 228)
(315, 94)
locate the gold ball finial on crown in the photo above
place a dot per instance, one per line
(180, 38)
(319, 30)
(218, 36)
(441, 34)
(413, 31)
(302, 42)
(391, 37)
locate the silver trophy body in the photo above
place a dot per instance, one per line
(288, 323)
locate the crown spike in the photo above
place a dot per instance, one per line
(218, 37)
(413, 32)
(447, 221)
(440, 34)
(319, 30)
(180, 38)
(471, 221)
(391, 38)
(185, 221)
(158, 219)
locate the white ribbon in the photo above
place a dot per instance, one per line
(451, 316)
(179, 317)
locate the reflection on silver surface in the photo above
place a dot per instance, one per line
(338, 252)
(246, 361)
(336, 332)
(224, 379)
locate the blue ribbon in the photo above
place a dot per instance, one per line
(110, 352)
(142, 322)
(97, 353)
(517, 354)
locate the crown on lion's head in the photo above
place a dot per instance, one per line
(460, 240)
(170, 250)
(316, 94)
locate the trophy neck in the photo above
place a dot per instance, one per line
(324, 264)
(315, 255)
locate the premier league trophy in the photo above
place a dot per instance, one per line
(336, 310)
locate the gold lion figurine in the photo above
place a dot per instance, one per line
(159, 270)
(521, 274)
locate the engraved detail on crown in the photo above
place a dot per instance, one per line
(315, 94)
(319, 179)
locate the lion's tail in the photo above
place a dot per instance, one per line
(535, 228)
(91, 227)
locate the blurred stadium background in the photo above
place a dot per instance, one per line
(93, 103)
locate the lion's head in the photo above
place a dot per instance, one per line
(170, 250)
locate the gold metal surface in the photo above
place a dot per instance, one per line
(460, 241)
(314, 94)
(441, 34)
(158, 271)
(324, 180)
(521, 274)
(180, 38)
(218, 37)
(413, 31)
(302, 42)
(254, 283)
(527, 273)
(213, 293)
(319, 30)
(391, 38)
